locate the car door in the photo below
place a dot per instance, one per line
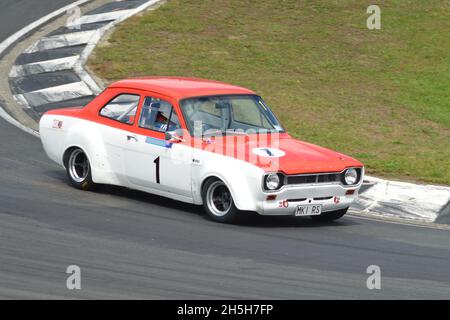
(150, 160)
(117, 117)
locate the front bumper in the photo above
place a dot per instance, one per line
(332, 197)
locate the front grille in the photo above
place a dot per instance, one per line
(334, 177)
(314, 178)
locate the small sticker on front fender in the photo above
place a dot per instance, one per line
(283, 204)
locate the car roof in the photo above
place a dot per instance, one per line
(180, 88)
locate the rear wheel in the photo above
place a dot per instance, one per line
(218, 201)
(330, 216)
(79, 169)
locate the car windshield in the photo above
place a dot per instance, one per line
(228, 114)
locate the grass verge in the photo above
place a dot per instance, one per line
(382, 96)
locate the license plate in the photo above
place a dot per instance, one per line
(309, 210)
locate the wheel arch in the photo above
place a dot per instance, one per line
(66, 153)
(241, 198)
(88, 137)
(215, 176)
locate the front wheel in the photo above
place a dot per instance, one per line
(330, 216)
(218, 201)
(79, 170)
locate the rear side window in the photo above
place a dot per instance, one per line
(158, 115)
(122, 108)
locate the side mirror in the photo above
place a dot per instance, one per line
(172, 136)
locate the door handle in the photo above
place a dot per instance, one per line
(132, 138)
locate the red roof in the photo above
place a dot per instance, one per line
(180, 88)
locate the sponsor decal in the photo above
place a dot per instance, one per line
(283, 204)
(158, 142)
(57, 124)
(269, 152)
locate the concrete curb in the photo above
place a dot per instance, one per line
(54, 53)
(410, 201)
(12, 40)
(63, 53)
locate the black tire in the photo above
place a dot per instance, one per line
(222, 209)
(78, 169)
(330, 216)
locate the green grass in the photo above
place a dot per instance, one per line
(382, 96)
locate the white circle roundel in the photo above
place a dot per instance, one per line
(269, 152)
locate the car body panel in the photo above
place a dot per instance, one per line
(127, 155)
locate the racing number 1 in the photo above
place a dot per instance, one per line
(156, 161)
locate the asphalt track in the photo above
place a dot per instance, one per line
(132, 245)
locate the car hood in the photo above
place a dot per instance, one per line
(303, 157)
(285, 154)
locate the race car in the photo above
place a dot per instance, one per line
(202, 142)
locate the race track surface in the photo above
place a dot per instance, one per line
(133, 245)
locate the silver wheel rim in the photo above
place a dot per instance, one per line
(78, 166)
(218, 199)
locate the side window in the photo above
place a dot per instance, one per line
(158, 115)
(122, 108)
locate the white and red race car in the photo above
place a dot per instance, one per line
(201, 142)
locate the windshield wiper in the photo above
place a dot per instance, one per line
(224, 133)
(241, 133)
(212, 133)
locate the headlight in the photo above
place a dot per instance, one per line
(351, 176)
(272, 181)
